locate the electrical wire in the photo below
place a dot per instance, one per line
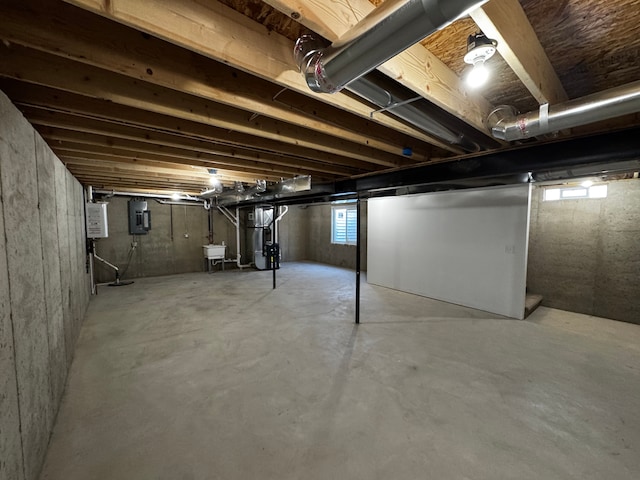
(134, 244)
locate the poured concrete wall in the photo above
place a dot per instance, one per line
(293, 235)
(165, 250)
(43, 290)
(584, 254)
(320, 247)
(173, 245)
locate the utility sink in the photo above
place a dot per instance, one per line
(212, 251)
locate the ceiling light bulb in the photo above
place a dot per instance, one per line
(175, 196)
(586, 183)
(213, 181)
(478, 75)
(479, 50)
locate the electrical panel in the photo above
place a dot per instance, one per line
(139, 217)
(97, 226)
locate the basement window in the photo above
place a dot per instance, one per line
(573, 193)
(344, 224)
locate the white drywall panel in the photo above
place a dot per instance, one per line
(467, 247)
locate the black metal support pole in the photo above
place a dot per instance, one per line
(358, 261)
(273, 242)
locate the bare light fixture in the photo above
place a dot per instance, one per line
(214, 181)
(479, 50)
(175, 196)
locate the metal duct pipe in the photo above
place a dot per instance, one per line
(112, 193)
(381, 35)
(615, 102)
(371, 92)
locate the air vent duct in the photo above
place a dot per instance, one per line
(381, 35)
(615, 102)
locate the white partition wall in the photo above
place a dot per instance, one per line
(467, 247)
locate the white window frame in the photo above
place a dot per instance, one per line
(344, 234)
(554, 194)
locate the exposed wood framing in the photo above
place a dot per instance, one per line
(201, 26)
(416, 68)
(59, 137)
(89, 39)
(506, 22)
(71, 123)
(49, 99)
(36, 67)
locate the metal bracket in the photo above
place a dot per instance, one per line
(394, 105)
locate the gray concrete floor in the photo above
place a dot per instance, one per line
(217, 376)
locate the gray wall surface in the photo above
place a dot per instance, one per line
(293, 235)
(173, 245)
(44, 290)
(584, 255)
(165, 250)
(321, 249)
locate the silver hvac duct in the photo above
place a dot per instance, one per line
(615, 102)
(371, 92)
(385, 32)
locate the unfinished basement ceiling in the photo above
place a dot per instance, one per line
(146, 96)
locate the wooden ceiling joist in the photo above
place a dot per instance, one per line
(42, 69)
(506, 22)
(63, 121)
(52, 100)
(76, 157)
(145, 191)
(88, 144)
(89, 39)
(199, 26)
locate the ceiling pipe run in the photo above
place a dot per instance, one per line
(111, 193)
(365, 88)
(381, 35)
(615, 102)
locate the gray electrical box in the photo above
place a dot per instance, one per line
(139, 217)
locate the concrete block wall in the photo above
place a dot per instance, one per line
(584, 255)
(44, 290)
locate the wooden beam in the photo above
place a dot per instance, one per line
(219, 32)
(90, 39)
(106, 145)
(126, 132)
(506, 22)
(71, 154)
(123, 183)
(42, 69)
(416, 68)
(133, 189)
(87, 150)
(50, 99)
(201, 176)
